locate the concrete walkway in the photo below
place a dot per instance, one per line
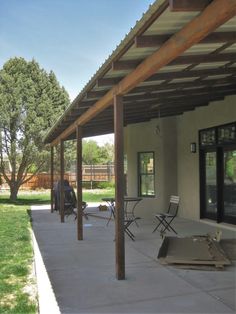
(82, 273)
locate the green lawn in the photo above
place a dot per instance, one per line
(16, 253)
(97, 195)
(40, 198)
(16, 256)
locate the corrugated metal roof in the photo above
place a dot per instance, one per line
(211, 63)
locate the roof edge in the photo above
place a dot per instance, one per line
(146, 17)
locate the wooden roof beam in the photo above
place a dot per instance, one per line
(183, 85)
(215, 14)
(149, 41)
(172, 75)
(181, 93)
(188, 59)
(172, 86)
(145, 119)
(171, 101)
(109, 81)
(188, 5)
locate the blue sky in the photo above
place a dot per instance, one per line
(70, 37)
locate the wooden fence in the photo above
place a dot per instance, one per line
(91, 173)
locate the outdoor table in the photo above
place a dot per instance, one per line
(129, 214)
(111, 205)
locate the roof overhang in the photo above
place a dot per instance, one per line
(179, 56)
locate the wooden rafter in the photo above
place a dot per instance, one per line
(182, 60)
(177, 85)
(176, 93)
(188, 5)
(148, 41)
(171, 75)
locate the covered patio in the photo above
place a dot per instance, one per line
(83, 277)
(179, 58)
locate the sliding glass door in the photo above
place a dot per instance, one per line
(218, 173)
(210, 185)
(229, 213)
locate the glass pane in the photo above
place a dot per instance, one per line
(211, 192)
(230, 183)
(147, 185)
(208, 137)
(227, 134)
(146, 163)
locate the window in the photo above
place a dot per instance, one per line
(208, 137)
(219, 135)
(146, 172)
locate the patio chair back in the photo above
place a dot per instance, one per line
(164, 220)
(173, 205)
(70, 201)
(69, 198)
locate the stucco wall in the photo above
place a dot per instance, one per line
(144, 137)
(177, 170)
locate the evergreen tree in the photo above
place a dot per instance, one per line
(30, 102)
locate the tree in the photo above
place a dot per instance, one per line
(90, 152)
(107, 153)
(30, 101)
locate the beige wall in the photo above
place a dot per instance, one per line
(177, 170)
(144, 137)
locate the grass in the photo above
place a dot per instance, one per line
(27, 198)
(16, 253)
(16, 256)
(40, 198)
(97, 195)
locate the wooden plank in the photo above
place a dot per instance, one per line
(119, 190)
(172, 75)
(188, 5)
(79, 182)
(173, 86)
(180, 93)
(182, 60)
(132, 104)
(182, 85)
(108, 81)
(95, 94)
(171, 101)
(196, 250)
(149, 41)
(52, 179)
(217, 13)
(62, 196)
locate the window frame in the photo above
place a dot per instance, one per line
(140, 174)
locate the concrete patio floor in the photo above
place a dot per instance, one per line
(82, 273)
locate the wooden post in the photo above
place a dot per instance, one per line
(79, 182)
(52, 179)
(119, 187)
(62, 214)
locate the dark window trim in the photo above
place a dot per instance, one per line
(139, 174)
(219, 148)
(216, 128)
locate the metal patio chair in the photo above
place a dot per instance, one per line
(165, 219)
(127, 223)
(70, 202)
